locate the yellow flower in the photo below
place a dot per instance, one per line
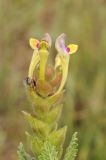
(62, 58)
(40, 54)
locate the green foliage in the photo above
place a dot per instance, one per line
(54, 114)
(72, 150)
(41, 128)
(48, 152)
(57, 137)
(35, 143)
(22, 154)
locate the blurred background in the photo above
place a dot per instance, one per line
(84, 22)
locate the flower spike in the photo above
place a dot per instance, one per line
(44, 88)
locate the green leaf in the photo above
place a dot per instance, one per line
(38, 126)
(54, 114)
(36, 143)
(22, 154)
(57, 137)
(48, 152)
(72, 150)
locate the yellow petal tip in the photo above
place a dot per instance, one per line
(73, 48)
(33, 43)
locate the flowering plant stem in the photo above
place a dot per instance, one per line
(44, 88)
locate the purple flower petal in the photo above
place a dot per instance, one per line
(60, 44)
